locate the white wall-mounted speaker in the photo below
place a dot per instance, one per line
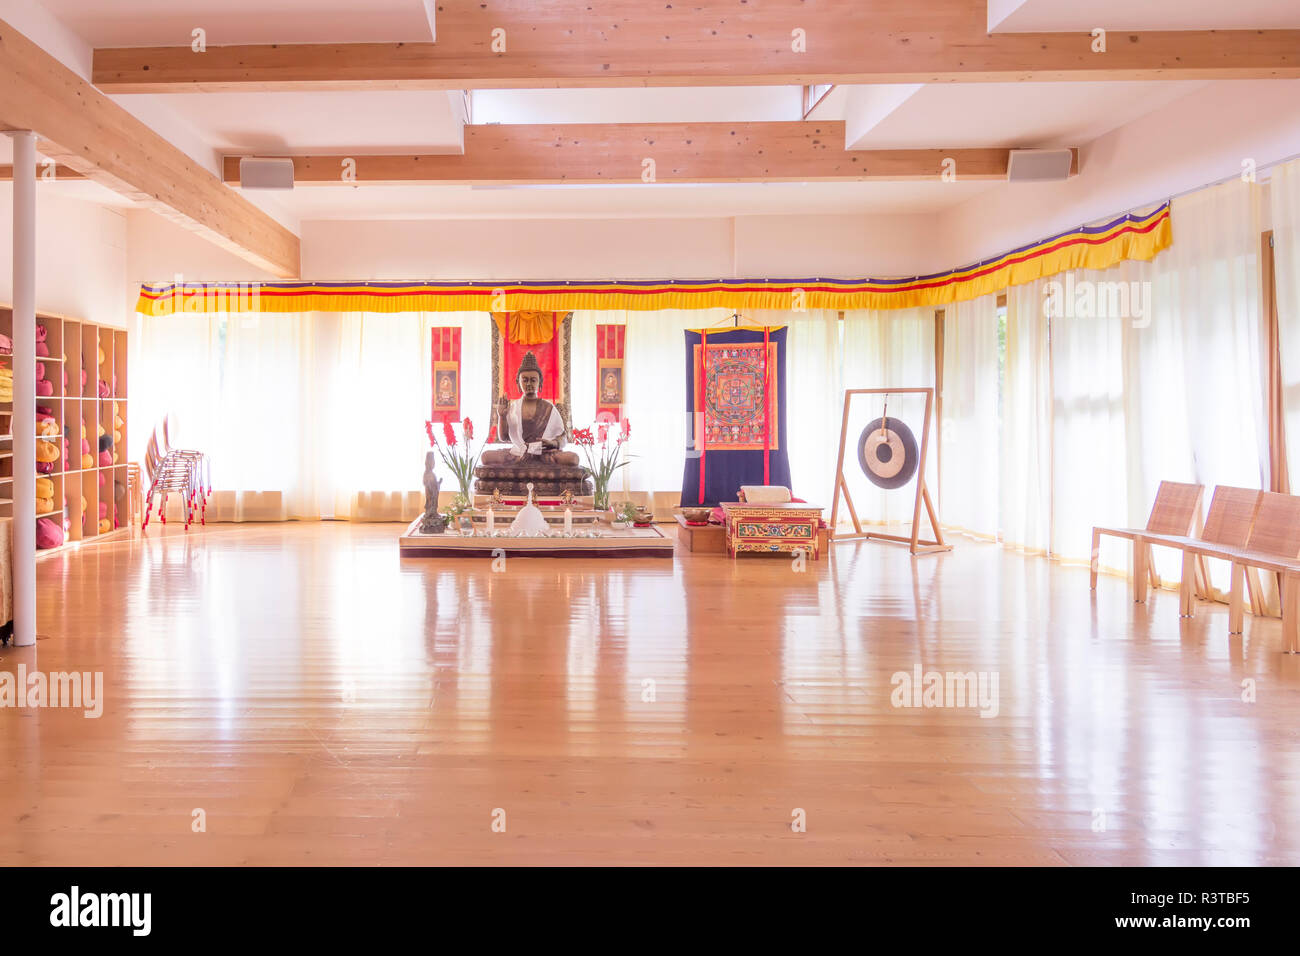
(1039, 165)
(255, 173)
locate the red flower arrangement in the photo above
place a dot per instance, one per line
(458, 456)
(604, 460)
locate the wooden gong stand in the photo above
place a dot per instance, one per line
(916, 544)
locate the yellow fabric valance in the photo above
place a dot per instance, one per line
(1132, 236)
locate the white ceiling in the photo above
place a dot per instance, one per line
(170, 22)
(1051, 16)
(410, 120)
(1006, 114)
(734, 104)
(950, 115)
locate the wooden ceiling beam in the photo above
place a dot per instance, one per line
(636, 153)
(518, 44)
(83, 131)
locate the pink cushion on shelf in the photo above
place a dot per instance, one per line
(44, 389)
(41, 332)
(40, 371)
(106, 458)
(45, 467)
(42, 350)
(49, 534)
(84, 378)
(85, 447)
(103, 389)
(103, 509)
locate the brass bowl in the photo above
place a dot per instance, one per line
(697, 515)
(644, 517)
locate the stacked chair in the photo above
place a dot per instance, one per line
(181, 471)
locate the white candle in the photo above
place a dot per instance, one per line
(568, 521)
(491, 520)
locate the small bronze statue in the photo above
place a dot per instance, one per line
(431, 522)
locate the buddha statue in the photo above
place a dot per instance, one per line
(536, 432)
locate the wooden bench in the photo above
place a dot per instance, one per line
(1176, 512)
(1272, 545)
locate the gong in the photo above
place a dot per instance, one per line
(887, 453)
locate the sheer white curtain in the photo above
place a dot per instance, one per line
(1026, 465)
(887, 349)
(1154, 371)
(814, 398)
(1284, 201)
(969, 429)
(239, 387)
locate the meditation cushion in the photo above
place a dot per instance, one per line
(83, 379)
(105, 458)
(101, 479)
(101, 355)
(44, 389)
(45, 467)
(41, 332)
(117, 437)
(87, 461)
(48, 533)
(47, 427)
(103, 389)
(44, 411)
(42, 350)
(85, 445)
(47, 451)
(103, 509)
(40, 371)
(84, 504)
(105, 526)
(44, 488)
(44, 505)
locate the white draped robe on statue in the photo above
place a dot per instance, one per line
(514, 420)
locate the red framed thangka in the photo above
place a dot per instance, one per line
(610, 380)
(446, 375)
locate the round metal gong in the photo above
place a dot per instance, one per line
(887, 453)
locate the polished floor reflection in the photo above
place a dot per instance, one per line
(310, 697)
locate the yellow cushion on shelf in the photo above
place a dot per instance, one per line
(105, 526)
(44, 505)
(87, 461)
(46, 451)
(47, 427)
(44, 487)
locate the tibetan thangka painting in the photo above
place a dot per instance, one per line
(735, 397)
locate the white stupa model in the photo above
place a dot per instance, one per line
(529, 522)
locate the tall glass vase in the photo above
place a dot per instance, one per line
(600, 497)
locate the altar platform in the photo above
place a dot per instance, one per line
(598, 540)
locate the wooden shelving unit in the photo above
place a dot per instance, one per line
(76, 346)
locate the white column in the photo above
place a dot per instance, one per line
(23, 423)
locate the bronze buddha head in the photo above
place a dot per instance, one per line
(529, 376)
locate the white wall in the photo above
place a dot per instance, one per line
(744, 247)
(81, 250)
(1199, 139)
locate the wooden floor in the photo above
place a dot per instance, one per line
(323, 701)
